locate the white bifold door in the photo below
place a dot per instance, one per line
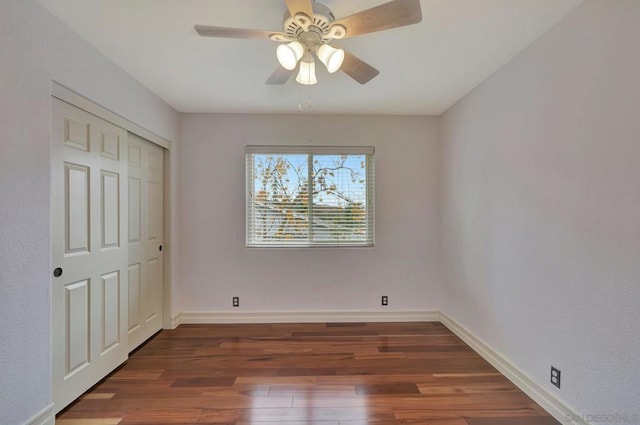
(89, 250)
(145, 188)
(106, 221)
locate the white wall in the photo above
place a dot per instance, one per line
(539, 199)
(35, 49)
(541, 207)
(215, 265)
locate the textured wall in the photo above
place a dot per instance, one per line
(35, 49)
(541, 208)
(215, 265)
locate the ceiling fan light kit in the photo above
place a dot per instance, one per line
(289, 54)
(331, 57)
(307, 73)
(309, 27)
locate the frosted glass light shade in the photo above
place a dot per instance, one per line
(307, 73)
(331, 57)
(289, 54)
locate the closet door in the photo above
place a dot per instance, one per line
(145, 183)
(89, 250)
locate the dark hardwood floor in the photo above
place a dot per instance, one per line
(306, 374)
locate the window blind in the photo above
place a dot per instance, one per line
(301, 196)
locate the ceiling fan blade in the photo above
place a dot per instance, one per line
(394, 14)
(224, 32)
(357, 69)
(279, 76)
(304, 6)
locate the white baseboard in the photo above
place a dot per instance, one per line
(176, 321)
(44, 417)
(198, 317)
(548, 401)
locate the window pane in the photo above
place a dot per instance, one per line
(339, 198)
(281, 211)
(280, 201)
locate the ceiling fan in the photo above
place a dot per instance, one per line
(309, 28)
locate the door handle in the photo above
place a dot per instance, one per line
(160, 248)
(57, 272)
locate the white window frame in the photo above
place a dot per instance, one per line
(368, 151)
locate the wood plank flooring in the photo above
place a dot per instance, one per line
(306, 374)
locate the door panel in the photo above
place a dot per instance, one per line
(110, 310)
(76, 133)
(110, 145)
(76, 208)
(153, 276)
(134, 210)
(89, 220)
(134, 155)
(154, 205)
(145, 221)
(110, 210)
(77, 326)
(134, 297)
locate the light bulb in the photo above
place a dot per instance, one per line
(307, 73)
(331, 57)
(289, 54)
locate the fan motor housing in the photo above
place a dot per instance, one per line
(320, 23)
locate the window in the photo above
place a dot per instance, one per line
(309, 196)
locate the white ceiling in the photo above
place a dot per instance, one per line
(424, 68)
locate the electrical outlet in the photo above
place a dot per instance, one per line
(385, 300)
(555, 376)
(236, 301)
